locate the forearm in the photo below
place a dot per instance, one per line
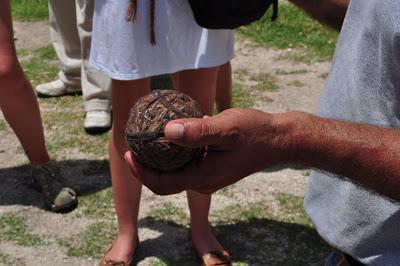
(329, 12)
(365, 154)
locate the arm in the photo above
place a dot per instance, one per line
(329, 12)
(243, 141)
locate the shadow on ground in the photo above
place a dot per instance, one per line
(253, 242)
(85, 176)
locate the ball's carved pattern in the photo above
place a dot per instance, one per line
(145, 129)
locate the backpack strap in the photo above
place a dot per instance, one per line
(131, 15)
(274, 10)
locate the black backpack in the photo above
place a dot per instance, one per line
(230, 14)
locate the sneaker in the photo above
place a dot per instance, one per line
(57, 196)
(97, 122)
(55, 89)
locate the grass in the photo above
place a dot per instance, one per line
(3, 124)
(296, 83)
(291, 209)
(40, 65)
(265, 82)
(236, 213)
(169, 212)
(241, 97)
(292, 72)
(92, 242)
(324, 75)
(157, 262)
(31, 10)
(14, 229)
(98, 205)
(293, 29)
(6, 259)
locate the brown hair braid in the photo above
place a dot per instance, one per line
(131, 15)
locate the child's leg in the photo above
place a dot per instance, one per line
(17, 99)
(200, 84)
(126, 188)
(223, 96)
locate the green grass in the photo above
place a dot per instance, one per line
(6, 259)
(236, 213)
(3, 125)
(91, 243)
(64, 128)
(98, 205)
(29, 10)
(241, 97)
(296, 83)
(292, 72)
(292, 210)
(14, 229)
(265, 82)
(324, 75)
(40, 65)
(293, 29)
(169, 212)
(157, 262)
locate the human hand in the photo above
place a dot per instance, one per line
(239, 142)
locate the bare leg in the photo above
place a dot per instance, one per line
(200, 84)
(223, 96)
(126, 188)
(17, 99)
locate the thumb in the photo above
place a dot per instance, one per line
(194, 132)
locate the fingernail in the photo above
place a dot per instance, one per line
(175, 130)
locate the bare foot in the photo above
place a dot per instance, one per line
(204, 240)
(123, 249)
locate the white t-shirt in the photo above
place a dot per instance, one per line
(123, 49)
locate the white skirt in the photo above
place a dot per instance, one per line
(123, 49)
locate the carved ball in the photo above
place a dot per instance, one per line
(145, 129)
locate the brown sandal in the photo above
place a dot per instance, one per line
(216, 257)
(57, 196)
(105, 262)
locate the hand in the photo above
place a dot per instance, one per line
(239, 142)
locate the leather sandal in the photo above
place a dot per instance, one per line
(107, 262)
(216, 258)
(57, 196)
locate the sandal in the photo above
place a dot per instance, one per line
(105, 262)
(47, 179)
(216, 257)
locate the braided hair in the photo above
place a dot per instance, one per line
(131, 15)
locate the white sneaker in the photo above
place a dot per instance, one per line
(97, 122)
(56, 88)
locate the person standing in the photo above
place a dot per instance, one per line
(132, 42)
(71, 30)
(21, 110)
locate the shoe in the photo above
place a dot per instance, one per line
(57, 196)
(105, 262)
(214, 258)
(97, 122)
(55, 89)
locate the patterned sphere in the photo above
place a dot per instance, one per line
(145, 129)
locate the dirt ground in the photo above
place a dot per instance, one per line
(299, 87)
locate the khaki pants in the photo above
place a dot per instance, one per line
(71, 28)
